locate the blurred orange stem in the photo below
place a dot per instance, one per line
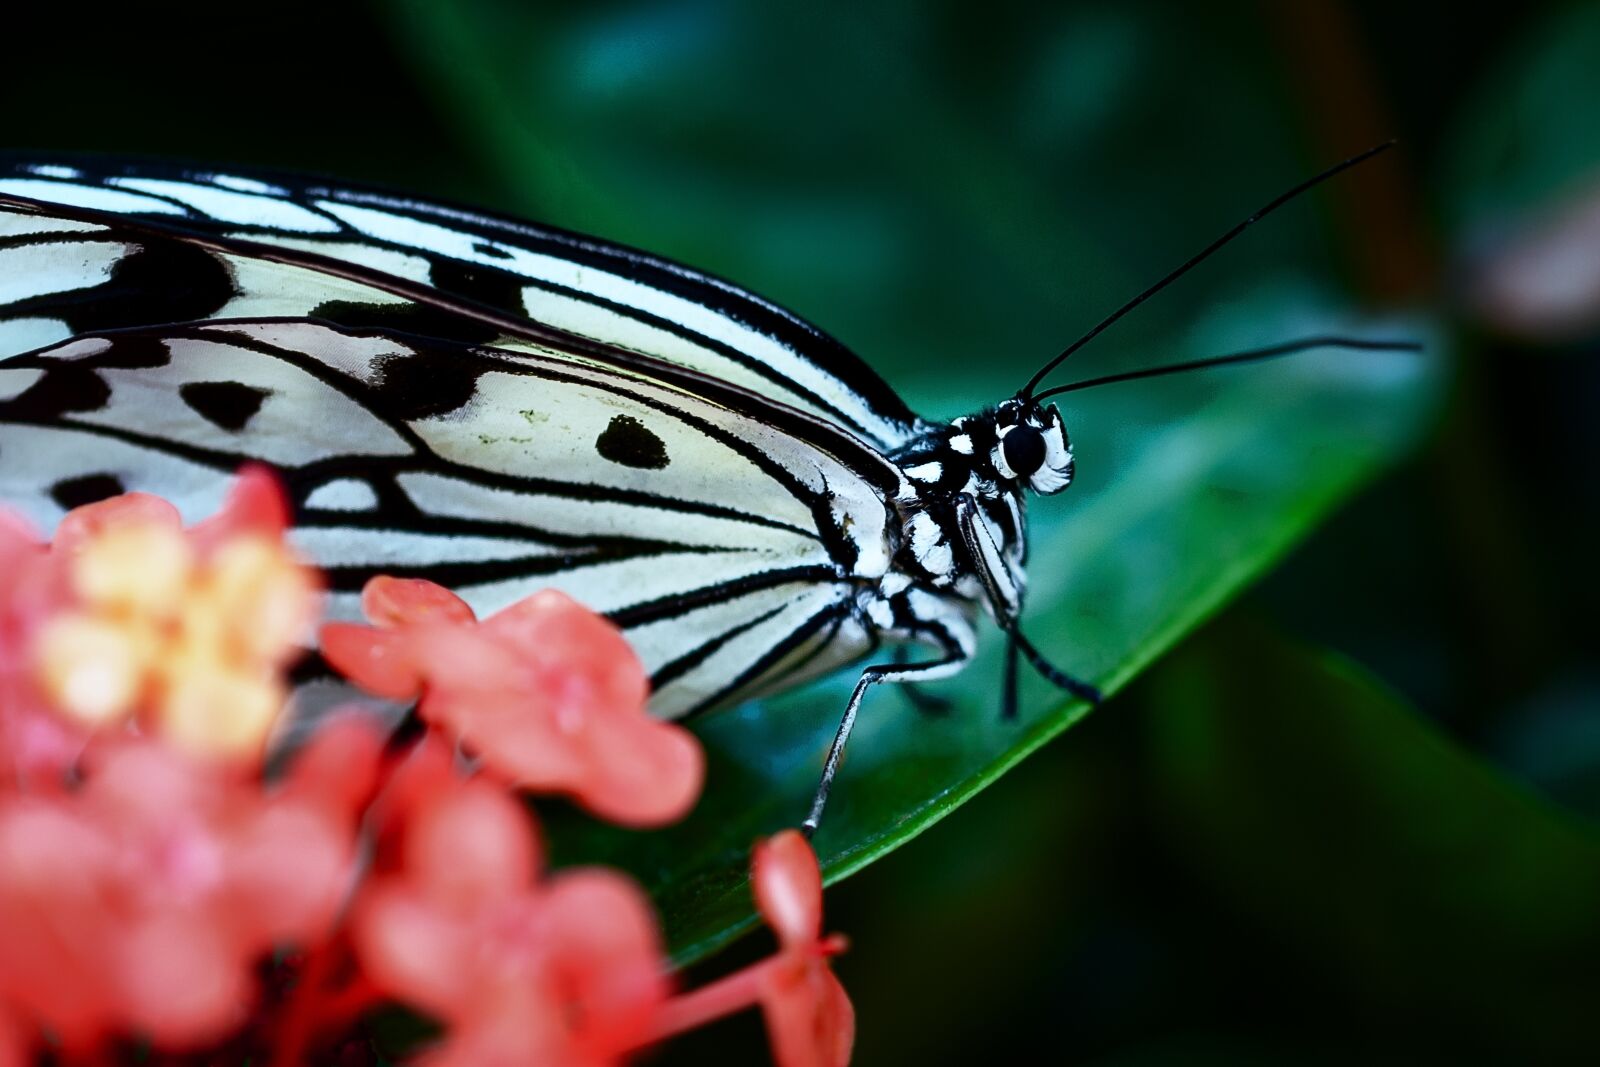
(724, 997)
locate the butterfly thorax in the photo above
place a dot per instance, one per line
(962, 505)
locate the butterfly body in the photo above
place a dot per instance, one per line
(498, 407)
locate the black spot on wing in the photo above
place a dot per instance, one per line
(156, 282)
(72, 493)
(483, 285)
(418, 320)
(71, 386)
(133, 352)
(64, 389)
(229, 405)
(631, 443)
(484, 248)
(423, 383)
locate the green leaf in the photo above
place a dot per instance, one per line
(844, 167)
(1529, 134)
(1176, 511)
(1373, 848)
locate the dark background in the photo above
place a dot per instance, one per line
(1145, 890)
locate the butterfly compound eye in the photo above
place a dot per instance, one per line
(1023, 448)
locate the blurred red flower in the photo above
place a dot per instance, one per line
(547, 693)
(150, 875)
(35, 741)
(13, 1042)
(141, 901)
(130, 618)
(810, 1019)
(521, 969)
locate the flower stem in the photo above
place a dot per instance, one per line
(301, 1013)
(725, 996)
(339, 1009)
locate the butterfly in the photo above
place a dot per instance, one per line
(499, 406)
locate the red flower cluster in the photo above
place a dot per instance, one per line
(548, 694)
(158, 889)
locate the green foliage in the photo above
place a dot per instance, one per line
(1258, 856)
(939, 246)
(1348, 830)
(1186, 508)
(1530, 134)
(948, 195)
(1252, 856)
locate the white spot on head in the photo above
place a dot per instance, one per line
(1047, 480)
(962, 443)
(997, 455)
(1056, 473)
(926, 472)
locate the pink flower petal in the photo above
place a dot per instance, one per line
(643, 772)
(92, 520)
(288, 871)
(810, 1020)
(602, 939)
(256, 506)
(179, 981)
(392, 602)
(337, 770)
(13, 1041)
(581, 657)
(413, 951)
(788, 887)
(379, 661)
(470, 847)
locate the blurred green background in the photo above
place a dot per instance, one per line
(1351, 820)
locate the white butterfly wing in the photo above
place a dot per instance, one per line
(606, 293)
(732, 552)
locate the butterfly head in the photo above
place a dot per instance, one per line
(1031, 447)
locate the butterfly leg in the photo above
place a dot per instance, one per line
(953, 660)
(1008, 695)
(919, 697)
(1004, 594)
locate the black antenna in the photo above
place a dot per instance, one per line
(1286, 348)
(1283, 198)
